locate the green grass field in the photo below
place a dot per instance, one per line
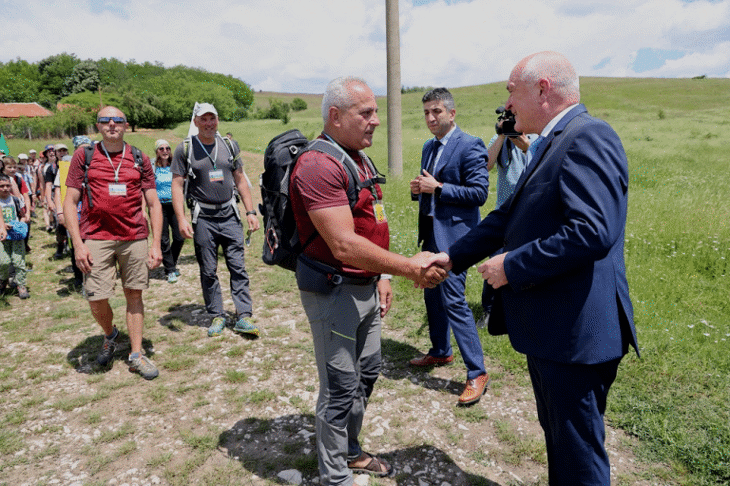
(676, 134)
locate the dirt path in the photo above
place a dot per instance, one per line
(228, 410)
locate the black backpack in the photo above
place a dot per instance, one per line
(281, 240)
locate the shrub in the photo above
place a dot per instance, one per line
(298, 104)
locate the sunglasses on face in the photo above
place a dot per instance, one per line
(106, 119)
(164, 149)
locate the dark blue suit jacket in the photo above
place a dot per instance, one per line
(463, 170)
(567, 299)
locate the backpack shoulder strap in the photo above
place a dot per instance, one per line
(88, 154)
(138, 159)
(377, 178)
(334, 151)
(16, 201)
(188, 156)
(229, 146)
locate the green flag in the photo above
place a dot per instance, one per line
(4, 145)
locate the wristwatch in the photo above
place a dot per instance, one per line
(437, 191)
(251, 212)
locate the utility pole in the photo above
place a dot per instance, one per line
(392, 40)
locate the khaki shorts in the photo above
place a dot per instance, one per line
(130, 256)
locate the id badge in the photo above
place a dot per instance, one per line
(117, 189)
(379, 212)
(216, 175)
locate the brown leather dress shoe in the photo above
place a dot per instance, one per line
(429, 360)
(474, 389)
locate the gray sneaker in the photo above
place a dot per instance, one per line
(107, 350)
(144, 367)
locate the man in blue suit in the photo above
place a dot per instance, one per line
(452, 186)
(562, 277)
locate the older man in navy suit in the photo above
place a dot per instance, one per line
(562, 276)
(452, 186)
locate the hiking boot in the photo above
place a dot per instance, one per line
(107, 350)
(23, 292)
(142, 365)
(217, 326)
(244, 326)
(172, 277)
(3, 286)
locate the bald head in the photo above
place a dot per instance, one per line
(556, 68)
(112, 123)
(541, 86)
(111, 111)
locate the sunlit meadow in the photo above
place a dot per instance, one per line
(677, 138)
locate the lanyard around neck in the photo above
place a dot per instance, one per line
(116, 171)
(214, 157)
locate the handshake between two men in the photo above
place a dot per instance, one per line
(435, 268)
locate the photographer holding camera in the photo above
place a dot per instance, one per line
(508, 151)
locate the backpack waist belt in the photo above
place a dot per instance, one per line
(198, 205)
(215, 206)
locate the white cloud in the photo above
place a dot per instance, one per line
(281, 45)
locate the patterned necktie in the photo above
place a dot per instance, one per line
(533, 148)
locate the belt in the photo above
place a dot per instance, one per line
(338, 279)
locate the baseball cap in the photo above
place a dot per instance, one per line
(60, 146)
(204, 108)
(22, 156)
(32, 151)
(80, 140)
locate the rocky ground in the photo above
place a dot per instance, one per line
(229, 410)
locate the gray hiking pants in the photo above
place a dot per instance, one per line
(346, 332)
(209, 235)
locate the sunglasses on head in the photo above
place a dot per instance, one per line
(107, 119)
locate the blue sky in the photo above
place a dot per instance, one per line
(297, 47)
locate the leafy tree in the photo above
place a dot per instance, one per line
(298, 104)
(75, 120)
(54, 71)
(84, 77)
(141, 108)
(90, 101)
(150, 94)
(112, 72)
(19, 82)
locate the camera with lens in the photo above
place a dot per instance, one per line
(507, 127)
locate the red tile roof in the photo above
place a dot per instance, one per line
(16, 110)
